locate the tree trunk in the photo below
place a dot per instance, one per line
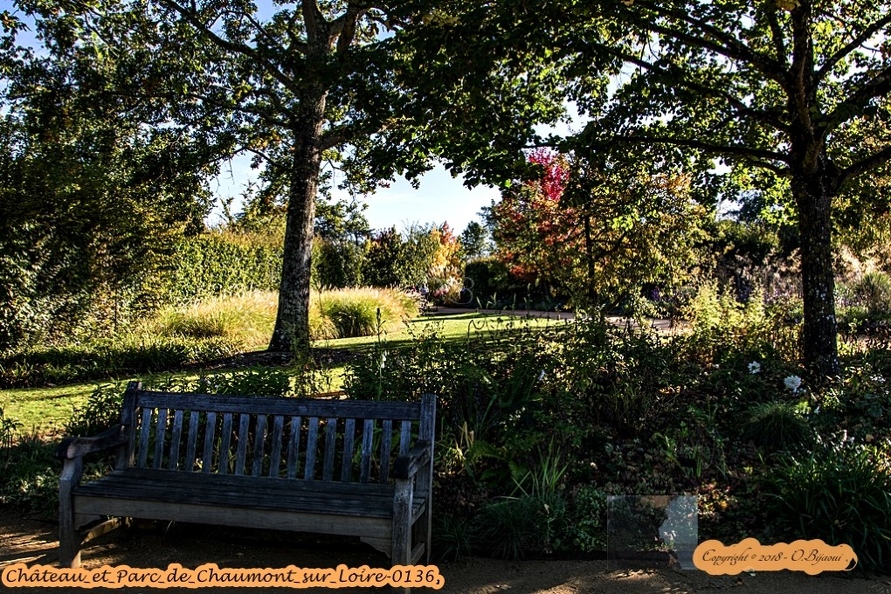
(292, 319)
(813, 195)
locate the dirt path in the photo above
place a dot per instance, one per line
(29, 541)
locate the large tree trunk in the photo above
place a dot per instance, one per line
(813, 193)
(292, 320)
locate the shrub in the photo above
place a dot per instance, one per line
(29, 475)
(254, 381)
(777, 425)
(587, 526)
(8, 429)
(101, 411)
(216, 263)
(130, 354)
(245, 319)
(336, 264)
(451, 537)
(724, 328)
(512, 528)
(874, 292)
(344, 313)
(840, 493)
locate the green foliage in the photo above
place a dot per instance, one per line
(101, 411)
(725, 328)
(103, 358)
(874, 292)
(90, 200)
(534, 521)
(29, 475)
(840, 493)
(515, 527)
(451, 537)
(777, 425)
(586, 529)
(382, 262)
(254, 381)
(243, 319)
(345, 313)
(336, 264)
(216, 263)
(474, 240)
(8, 429)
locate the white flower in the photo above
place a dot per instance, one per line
(754, 367)
(793, 382)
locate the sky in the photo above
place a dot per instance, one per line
(440, 198)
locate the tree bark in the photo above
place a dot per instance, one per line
(813, 193)
(291, 331)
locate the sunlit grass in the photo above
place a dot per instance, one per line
(246, 319)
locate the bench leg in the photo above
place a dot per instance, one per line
(402, 528)
(69, 540)
(402, 503)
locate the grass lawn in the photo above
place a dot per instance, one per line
(448, 327)
(47, 409)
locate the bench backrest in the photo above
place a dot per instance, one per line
(285, 438)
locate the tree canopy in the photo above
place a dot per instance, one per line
(792, 96)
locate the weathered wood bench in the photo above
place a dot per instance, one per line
(345, 467)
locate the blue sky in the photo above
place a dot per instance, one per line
(440, 198)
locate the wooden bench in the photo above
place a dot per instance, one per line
(346, 467)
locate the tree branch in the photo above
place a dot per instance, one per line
(343, 29)
(850, 47)
(679, 78)
(314, 21)
(879, 86)
(776, 33)
(231, 46)
(730, 47)
(738, 151)
(871, 162)
(802, 66)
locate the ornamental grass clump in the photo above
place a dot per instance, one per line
(344, 313)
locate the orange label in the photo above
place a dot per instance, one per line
(211, 576)
(810, 556)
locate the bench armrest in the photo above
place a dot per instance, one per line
(76, 447)
(408, 466)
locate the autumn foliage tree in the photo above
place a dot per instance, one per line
(596, 237)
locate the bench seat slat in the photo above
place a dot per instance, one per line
(294, 448)
(330, 441)
(192, 441)
(367, 444)
(386, 439)
(225, 440)
(331, 498)
(311, 444)
(144, 436)
(241, 455)
(346, 463)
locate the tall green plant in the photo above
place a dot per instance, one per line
(840, 493)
